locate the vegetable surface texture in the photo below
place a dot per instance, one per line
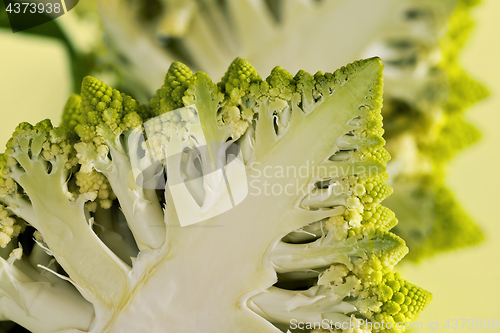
(242, 206)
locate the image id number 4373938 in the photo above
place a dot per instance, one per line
(32, 8)
(472, 324)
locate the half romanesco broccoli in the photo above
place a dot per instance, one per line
(304, 237)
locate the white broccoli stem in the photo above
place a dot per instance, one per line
(283, 118)
(21, 207)
(40, 305)
(347, 141)
(103, 219)
(300, 275)
(326, 251)
(67, 233)
(247, 145)
(214, 185)
(198, 194)
(334, 195)
(264, 129)
(306, 234)
(195, 185)
(313, 305)
(40, 262)
(140, 206)
(39, 256)
(320, 253)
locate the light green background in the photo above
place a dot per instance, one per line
(35, 82)
(466, 284)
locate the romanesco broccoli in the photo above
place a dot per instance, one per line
(292, 229)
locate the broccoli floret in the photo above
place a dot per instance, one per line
(39, 160)
(169, 97)
(450, 229)
(10, 226)
(72, 112)
(109, 127)
(402, 301)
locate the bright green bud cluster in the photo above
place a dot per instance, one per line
(95, 182)
(380, 217)
(105, 111)
(376, 188)
(454, 135)
(72, 112)
(402, 300)
(281, 83)
(238, 79)
(452, 228)
(10, 227)
(44, 140)
(7, 184)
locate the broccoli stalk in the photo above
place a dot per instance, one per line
(41, 303)
(110, 125)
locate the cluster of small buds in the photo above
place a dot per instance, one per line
(236, 119)
(179, 124)
(402, 300)
(364, 195)
(95, 182)
(9, 227)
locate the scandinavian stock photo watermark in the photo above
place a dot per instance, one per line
(265, 180)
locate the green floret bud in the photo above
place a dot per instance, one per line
(72, 112)
(145, 112)
(376, 188)
(199, 81)
(174, 124)
(169, 96)
(10, 226)
(238, 121)
(281, 83)
(402, 301)
(379, 217)
(453, 135)
(43, 140)
(106, 113)
(7, 184)
(238, 79)
(377, 154)
(305, 85)
(237, 112)
(95, 182)
(385, 251)
(365, 193)
(452, 228)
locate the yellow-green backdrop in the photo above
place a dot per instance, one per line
(35, 82)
